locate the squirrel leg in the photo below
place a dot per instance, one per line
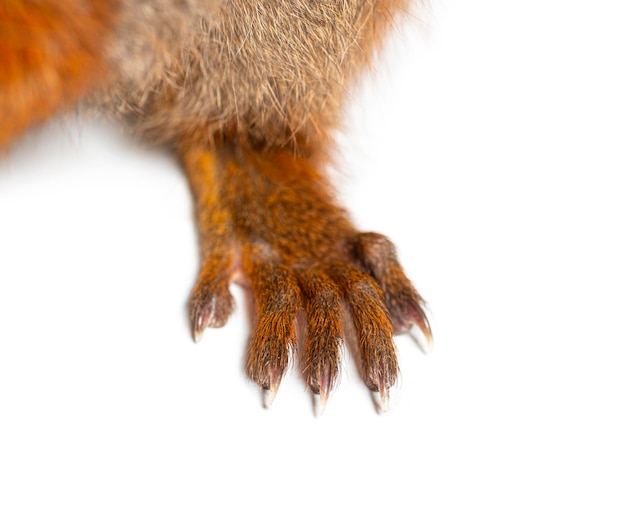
(211, 303)
(270, 215)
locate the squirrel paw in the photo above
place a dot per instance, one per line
(268, 219)
(313, 306)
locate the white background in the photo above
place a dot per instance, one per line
(490, 149)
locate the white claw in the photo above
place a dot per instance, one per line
(324, 388)
(197, 335)
(322, 400)
(383, 398)
(424, 341)
(269, 395)
(381, 401)
(384, 406)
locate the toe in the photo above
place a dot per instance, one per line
(277, 300)
(377, 255)
(324, 333)
(374, 331)
(210, 305)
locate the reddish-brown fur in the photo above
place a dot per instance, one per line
(252, 140)
(270, 215)
(50, 56)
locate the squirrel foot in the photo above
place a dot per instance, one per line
(270, 216)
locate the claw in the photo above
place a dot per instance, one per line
(268, 396)
(322, 388)
(324, 393)
(321, 406)
(200, 323)
(198, 333)
(379, 385)
(269, 393)
(384, 403)
(422, 334)
(382, 399)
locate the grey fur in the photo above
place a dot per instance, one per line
(267, 70)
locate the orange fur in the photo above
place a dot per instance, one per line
(269, 216)
(50, 55)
